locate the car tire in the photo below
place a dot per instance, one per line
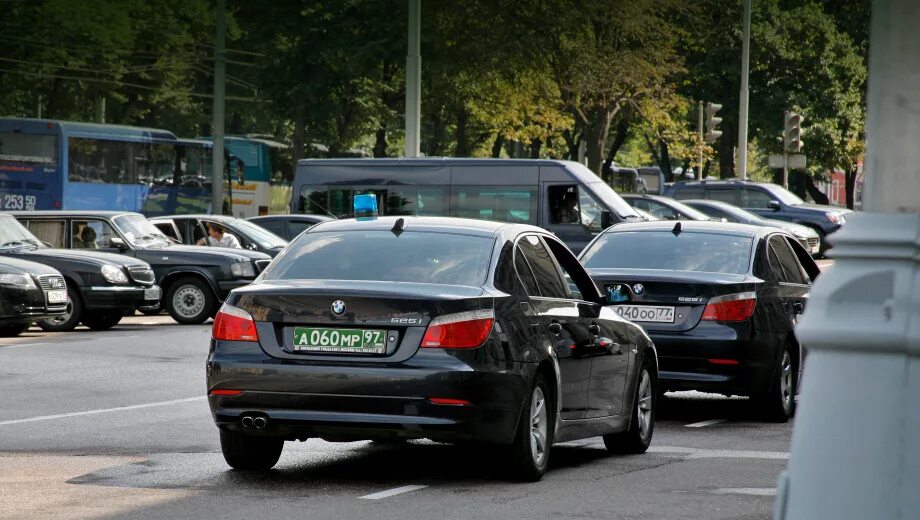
(189, 301)
(778, 401)
(638, 437)
(529, 454)
(100, 321)
(250, 452)
(9, 331)
(71, 317)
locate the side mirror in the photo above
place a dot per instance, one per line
(606, 219)
(774, 205)
(119, 243)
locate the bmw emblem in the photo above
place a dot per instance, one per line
(338, 307)
(638, 288)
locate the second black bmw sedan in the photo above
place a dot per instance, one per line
(720, 301)
(449, 329)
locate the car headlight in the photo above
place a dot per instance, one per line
(836, 218)
(17, 280)
(243, 269)
(114, 274)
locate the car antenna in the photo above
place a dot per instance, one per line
(677, 229)
(399, 227)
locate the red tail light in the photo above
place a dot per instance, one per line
(233, 324)
(732, 307)
(461, 330)
(447, 401)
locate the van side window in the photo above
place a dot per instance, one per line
(690, 192)
(406, 200)
(515, 204)
(726, 194)
(757, 199)
(563, 204)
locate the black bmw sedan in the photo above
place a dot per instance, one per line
(719, 300)
(449, 329)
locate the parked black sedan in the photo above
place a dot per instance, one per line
(192, 230)
(412, 327)
(101, 287)
(29, 292)
(718, 299)
(288, 226)
(194, 279)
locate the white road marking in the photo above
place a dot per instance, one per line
(102, 410)
(391, 492)
(22, 345)
(697, 453)
(758, 492)
(703, 424)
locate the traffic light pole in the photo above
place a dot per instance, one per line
(855, 453)
(699, 173)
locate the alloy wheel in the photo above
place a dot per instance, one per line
(644, 410)
(538, 426)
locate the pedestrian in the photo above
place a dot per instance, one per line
(217, 237)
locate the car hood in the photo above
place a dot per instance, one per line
(20, 266)
(82, 256)
(795, 229)
(208, 254)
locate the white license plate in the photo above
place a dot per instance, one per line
(57, 296)
(646, 313)
(152, 293)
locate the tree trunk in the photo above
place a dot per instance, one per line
(497, 146)
(849, 183)
(665, 162)
(619, 138)
(572, 139)
(535, 145)
(706, 169)
(596, 136)
(460, 135)
(380, 146)
(726, 156)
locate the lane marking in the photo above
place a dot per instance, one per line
(391, 492)
(698, 453)
(102, 410)
(703, 424)
(757, 492)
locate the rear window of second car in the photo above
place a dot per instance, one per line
(688, 251)
(413, 256)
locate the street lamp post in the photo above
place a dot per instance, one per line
(743, 105)
(855, 449)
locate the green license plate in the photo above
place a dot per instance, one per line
(363, 341)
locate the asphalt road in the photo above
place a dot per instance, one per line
(112, 425)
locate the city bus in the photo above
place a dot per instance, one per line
(264, 187)
(67, 165)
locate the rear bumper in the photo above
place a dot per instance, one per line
(121, 297)
(353, 400)
(704, 359)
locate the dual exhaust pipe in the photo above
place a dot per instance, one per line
(258, 422)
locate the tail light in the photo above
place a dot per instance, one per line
(234, 324)
(731, 307)
(460, 330)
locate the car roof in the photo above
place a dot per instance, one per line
(728, 228)
(227, 218)
(72, 213)
(722, 182)
(649, 196)
(290, 216)
(441, 224)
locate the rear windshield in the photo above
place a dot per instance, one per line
(689, 251)
(424, 257)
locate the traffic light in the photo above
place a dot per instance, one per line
(712, 122)
(792, 132)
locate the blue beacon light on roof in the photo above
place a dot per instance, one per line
(365, 206)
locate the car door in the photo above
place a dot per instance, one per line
(554, 312)
(793, 285)
(607, 342)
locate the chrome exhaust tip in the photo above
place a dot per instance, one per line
(246, 421)
(260, 422)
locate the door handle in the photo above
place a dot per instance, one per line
(555, 327)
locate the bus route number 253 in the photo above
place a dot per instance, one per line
(10, 201)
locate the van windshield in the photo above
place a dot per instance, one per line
(612, 200)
